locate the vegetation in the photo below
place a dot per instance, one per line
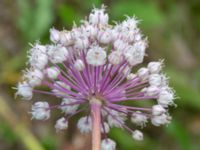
(173, 30)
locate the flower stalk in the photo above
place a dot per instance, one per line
(96, 123)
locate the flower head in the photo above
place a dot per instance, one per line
(92, 64)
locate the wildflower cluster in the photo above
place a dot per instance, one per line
(92, 64)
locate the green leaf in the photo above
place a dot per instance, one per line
(43, 17)
(95, 3)
(18, 126)
(89, 3)
(49, 142)
(188, 95)
(148, 12)
(177, 131)
(124, 140)
(34, 21)
(68, 15)
(7, 133)
(25, 16)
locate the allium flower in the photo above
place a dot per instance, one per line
(88, 69)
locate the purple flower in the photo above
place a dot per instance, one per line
(89, 70)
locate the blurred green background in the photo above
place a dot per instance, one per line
(173, 30)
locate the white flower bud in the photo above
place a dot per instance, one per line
(115, 57)
(158, 110)
(68, 109)
(105, 128)
(61, 124)
(90, 31)
(79, 65)
(152, 91)
(58, 54)
(108, 144)
(24, 90)
(81, 43)
(66, 38)
(154, 67)
(139, 118)
(84, 125)
(134, 56)
(54, 35)
(52, 72)
(119, 45)
(164, 81)
(38, 48)
(138, 36)
(129, 36)
(76, 33)
(40, 111)
(131, 76)
(34, 77)
(116, 119)
(98, 16)
(160, 120)
(132, 36)
(38, 57)
(104, 37)
(115, 36)
(96, 56)
(165, 98)
(140, 46)
(40, 62)
(130, 24)
(155, 79)
(143, 73)
(137, 135)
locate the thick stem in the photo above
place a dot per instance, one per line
(96, 124)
